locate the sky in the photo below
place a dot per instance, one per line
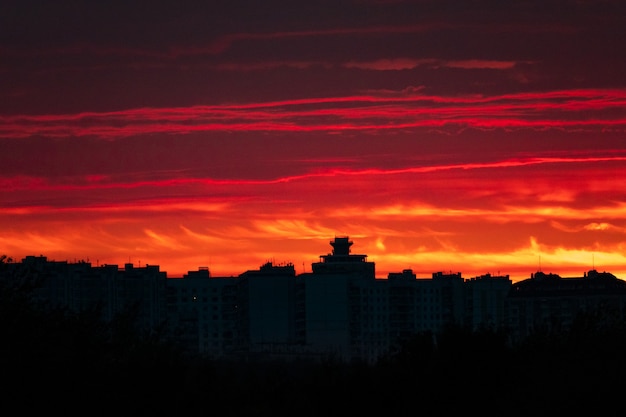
(481, 137)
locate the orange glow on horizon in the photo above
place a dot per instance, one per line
(426, 233)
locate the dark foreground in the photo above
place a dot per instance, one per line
(55, 362)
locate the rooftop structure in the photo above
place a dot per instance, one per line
(342, 261)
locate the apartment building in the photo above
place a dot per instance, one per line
(107, 289)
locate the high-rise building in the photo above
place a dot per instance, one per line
(547, 303)
(112, 291)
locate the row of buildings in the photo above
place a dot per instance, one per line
(339, 309)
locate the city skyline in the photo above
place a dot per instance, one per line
(307, 269)
(438, 135)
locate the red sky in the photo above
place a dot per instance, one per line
(473, 137)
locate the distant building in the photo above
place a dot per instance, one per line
(486, 302)
(339, 296)
(267, 310)
(548, 303)
(421, 305)
(202, 313)
(81, 287)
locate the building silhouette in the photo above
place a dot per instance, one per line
(548, 303)
(202, 313)
(339, 310)
(109, 289)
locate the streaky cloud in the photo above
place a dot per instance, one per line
(567, 110)
(480, 64)
(39, 184)
(373, 171)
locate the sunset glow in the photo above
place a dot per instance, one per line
(460, 141)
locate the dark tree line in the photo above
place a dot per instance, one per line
(54, 359)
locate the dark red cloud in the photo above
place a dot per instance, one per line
(568, 109)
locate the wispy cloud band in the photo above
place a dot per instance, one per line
(567, 109)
